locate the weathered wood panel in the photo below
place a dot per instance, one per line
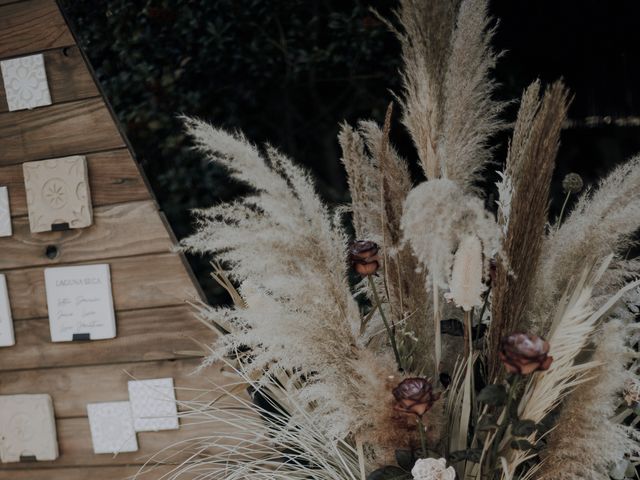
(74, 438)
(67, 76)
(73, 387)
(31, 26)
(113, 178)
(143, 335)
(58, 130)
(137, 282)
(111, 236)
(91, 472)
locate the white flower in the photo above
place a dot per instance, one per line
(432, 469)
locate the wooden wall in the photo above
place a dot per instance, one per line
(150, 282)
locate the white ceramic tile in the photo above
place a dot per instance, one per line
(27, 428)
(5, 213)
(153, 403)
(58, 193)
(6, 322)
(112, 427)
(25, 82)
(79, 301)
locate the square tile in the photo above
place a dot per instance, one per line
(112, 427)
(80, 303)
(153, 403)
(25, 82)
(58, 193)
(27, 428)
(5, 213)
(6, 322)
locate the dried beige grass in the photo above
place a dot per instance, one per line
(530, 164)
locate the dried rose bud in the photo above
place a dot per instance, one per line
(572, 183)
(414, 395)
(523, 353)
(363, 256)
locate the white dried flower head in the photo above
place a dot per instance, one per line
(632, 392)
(466, 285)
(437, 216)
(432, 469)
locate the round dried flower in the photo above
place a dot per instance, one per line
(524, 353)
(432, 469)
(414, 395)
(363, 256)
(632, 392)
(572, 183)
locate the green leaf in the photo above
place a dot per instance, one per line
(495, 395)
(405, 458)
(523, 428)
(389, 472)
(472, 454)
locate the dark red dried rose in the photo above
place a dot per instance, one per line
(363, 256)
(524, 353)
(414, 395)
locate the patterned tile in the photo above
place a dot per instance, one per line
(5, 213)
(25, 82)
(153, 403)
(112, 427)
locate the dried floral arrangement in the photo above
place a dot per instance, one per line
(474, 343)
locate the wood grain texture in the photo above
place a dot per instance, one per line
(76, 449)
(67, 76)
(118, 472)
(31, 26)
(58, 130)
(113, 178)
(137, 282)
(143, 335)
(110, 236)
(71, 388)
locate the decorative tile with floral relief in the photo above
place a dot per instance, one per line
(5, 213)
(7, 337)
(25, 82)
(111, 426)
(58, 194)
(28, 428)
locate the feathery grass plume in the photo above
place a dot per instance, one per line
(426, 44)
(602, 220)
(290, 261)
(466, 286)
(588, 440)
(530, 164)
(572, 329)
(470, 115)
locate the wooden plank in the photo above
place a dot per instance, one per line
(73, 387)
(58, 130)
(67, 76)
(138, 282)
(76, 449)
(28, 27)
(109, 237)
(143, 335)
(113, 178)
(118, 472)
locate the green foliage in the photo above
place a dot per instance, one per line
(286, 71)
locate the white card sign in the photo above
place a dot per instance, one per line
(25, 82)
(112, 427)
(153, 403)
(5, 213)
(27, 427)
(80, 303)
(6, 322)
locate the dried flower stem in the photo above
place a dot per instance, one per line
(423, 437)
(564, 205)
(437, 327)
(468, 333)
(392, 337)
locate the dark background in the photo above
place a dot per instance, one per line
(289, 71)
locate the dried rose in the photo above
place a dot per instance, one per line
(432, 469)
(414, 395)
(363, 256)
(524, 353)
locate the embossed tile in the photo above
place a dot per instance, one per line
(27, 428)
(80, 302)
(153, 403)
(58, 193)
(5, 213)
(6, 322)
(112, 427)
(25, 82)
